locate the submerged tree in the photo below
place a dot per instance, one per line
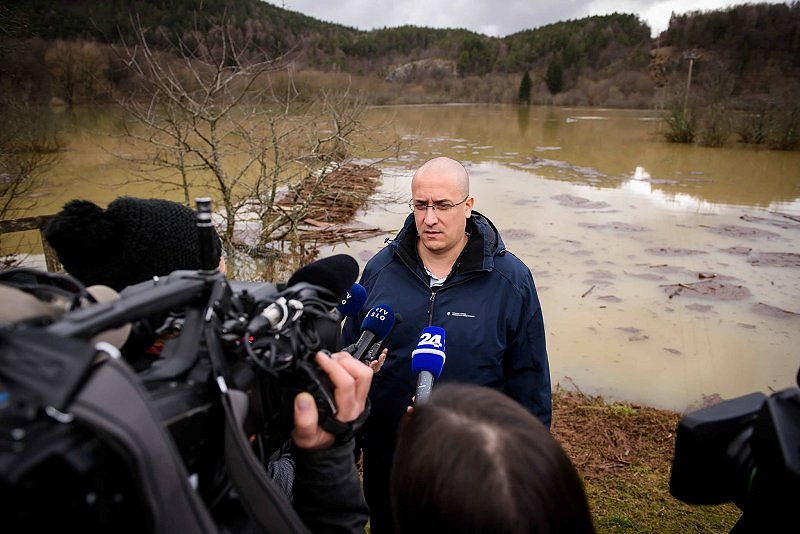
(77, 69)
(681, 123)
(215, 115)
(524, 95)
(27, 151)
(554, 78)
(25, 155)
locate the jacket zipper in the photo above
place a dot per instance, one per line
(430, 307)
(433, 293)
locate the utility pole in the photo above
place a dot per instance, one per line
(691, 55)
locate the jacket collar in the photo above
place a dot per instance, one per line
(483, 245)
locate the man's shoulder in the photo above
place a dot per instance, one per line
(379, 261)
(507, 262)
(381, 257)
(512, 269)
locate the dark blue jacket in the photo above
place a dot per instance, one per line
(488, 307)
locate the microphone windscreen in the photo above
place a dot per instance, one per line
(429, 354)
(379, 320)
(353, 301)
(335, 273)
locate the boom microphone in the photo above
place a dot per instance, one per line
(376, 325)
(427, 361)
(353, 301)
(335, 273)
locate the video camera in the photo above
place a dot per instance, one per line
(744, 450)
(183, 443)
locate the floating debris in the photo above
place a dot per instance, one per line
(700, 307)
(792, 224)
(572, 201)
(618, 226)
(671, 251)
(772, 311)
(713, 289)
(732, 230)
(347, 189)
(774, 259)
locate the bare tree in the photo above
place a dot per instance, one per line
(78, 70)
(212, 118)
(25, 154)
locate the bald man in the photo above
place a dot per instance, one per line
(448, 267)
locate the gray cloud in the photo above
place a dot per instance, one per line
(490, 17)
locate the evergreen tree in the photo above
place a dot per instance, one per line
(525, 89)
(555, 75)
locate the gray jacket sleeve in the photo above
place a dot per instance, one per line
(327, 490)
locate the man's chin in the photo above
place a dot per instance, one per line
(432, 244)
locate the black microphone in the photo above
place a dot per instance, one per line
(427, 361)
(334, 275)
(376, 325)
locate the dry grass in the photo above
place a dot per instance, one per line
(624, 454)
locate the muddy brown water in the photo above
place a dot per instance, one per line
(669, 275)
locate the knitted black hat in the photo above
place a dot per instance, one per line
(131, 241)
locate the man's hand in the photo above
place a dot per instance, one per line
(351, 380)
(376, 364)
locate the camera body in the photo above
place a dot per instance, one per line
(220, 337)
(744, 450)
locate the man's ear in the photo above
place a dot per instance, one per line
(468, 207)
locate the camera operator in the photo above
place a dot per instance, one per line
(130, 241)
(327, 490)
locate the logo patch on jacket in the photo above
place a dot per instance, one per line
(460, 314)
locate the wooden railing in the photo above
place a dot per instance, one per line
(34, 223)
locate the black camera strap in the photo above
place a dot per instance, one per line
(263, 500)
(114, 404)
(41, 368)
(65, 379)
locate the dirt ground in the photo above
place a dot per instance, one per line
(602, 439)
(624, 454)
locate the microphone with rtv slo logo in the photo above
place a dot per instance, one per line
(376, 348)
(352, 303)
(427, 361)
(375, 326)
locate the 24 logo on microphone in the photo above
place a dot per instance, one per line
(432, 339)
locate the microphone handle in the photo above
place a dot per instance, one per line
(363, 344)
(373, 352)
(424, 387)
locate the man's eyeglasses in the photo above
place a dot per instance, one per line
(439, 205)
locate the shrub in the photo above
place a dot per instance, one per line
(752, 128)
(681, 125)
(715, 127)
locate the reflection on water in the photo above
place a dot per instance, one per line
(607, 216)
(603, 148)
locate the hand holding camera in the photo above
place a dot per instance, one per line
(351, 381)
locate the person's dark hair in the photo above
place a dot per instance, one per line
(474, 460)
(132, 240)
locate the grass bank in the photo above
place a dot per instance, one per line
(624, 454)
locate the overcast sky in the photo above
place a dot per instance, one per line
(496, 18)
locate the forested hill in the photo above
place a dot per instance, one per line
(599, 60)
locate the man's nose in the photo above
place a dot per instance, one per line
(430, 215)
